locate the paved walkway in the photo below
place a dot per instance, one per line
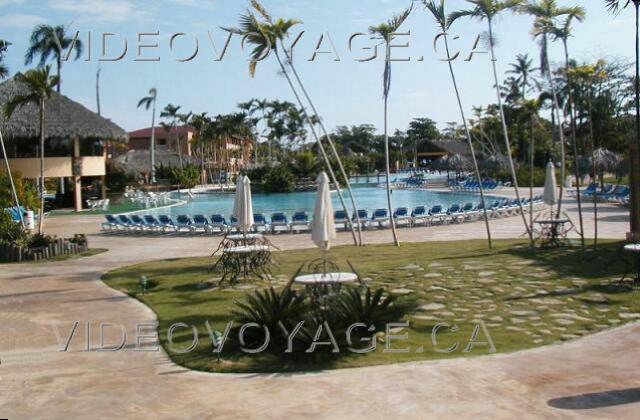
(37, 380)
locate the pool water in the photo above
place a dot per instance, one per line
(369, 198)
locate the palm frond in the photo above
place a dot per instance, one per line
(261, 10)
(438, 12)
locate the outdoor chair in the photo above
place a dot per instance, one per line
(419, 215)
(152, 223)
(437, 215)
(380, 217)
(340, 218)
(401, 216)
(363, 215)
(167, 223)
(201, 222)
(279, 223)
(110, 224)
(218, 223)
(259, 222)
(299, 222)
(184, 222)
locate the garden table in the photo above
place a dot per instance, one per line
(554, 231)
(633, 249)
(243, 260)
(323, 284)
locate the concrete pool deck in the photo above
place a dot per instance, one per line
(596, 376)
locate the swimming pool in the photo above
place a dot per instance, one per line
(369, 198)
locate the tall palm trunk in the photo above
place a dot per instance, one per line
(386, 140)
(532, 158)
(469, 140)
(153, 143)
(41, 212)
(175, 125)
(317, 139)
(505, 130)
(546, 68)
(59, 71)
(574, 139)
(633, 157)
(10, 175)
(329, 138)
(593, 168)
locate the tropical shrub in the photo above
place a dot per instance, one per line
(117, 179)
(188, 176)
(25, 190)
(10, 231)
(273, 310)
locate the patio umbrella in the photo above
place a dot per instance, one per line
(242, 204)
(550, 186)
(323, 228)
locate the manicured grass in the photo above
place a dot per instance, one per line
(525, 301)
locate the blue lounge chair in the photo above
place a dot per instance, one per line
(152, 222)
(279, 222)
(401, 216)
(167, 223)
(259, 222)
(380, 217)
(340, 218)
(126, 223)
(455, 213)
(184, 222)
(139, 222)
(363, 215)
(300, 222)
(233, 224)
(201, 222)
(419, 215)
(110, 224)
(218, 223)
(436, 214)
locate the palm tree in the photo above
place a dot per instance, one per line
(47, 41)
(588, 75)
(171, 112)
(615, 6)
(150, 102)
(545, 13)
(563, 33)
(488, 10)
(386, 31)
(523, 70)
(39, 84)
(4, 69)
(439, 13)
(265, 35)
(316, 117)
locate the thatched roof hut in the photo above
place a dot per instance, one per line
(64, 118)
(136, 162)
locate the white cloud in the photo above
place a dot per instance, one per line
(21, 21)
(112, 11)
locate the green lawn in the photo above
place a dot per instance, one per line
(524, 301)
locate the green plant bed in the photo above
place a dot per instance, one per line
(524, 301)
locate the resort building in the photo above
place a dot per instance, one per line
(432, 150)
(166, 139)
(75, 140)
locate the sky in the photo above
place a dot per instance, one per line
(346, 89)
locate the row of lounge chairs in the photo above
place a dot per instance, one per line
(612, 193)
(474, 186)
(300, 222)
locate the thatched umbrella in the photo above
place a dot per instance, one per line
(604, 160)
(136, 162)
(64, 118)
